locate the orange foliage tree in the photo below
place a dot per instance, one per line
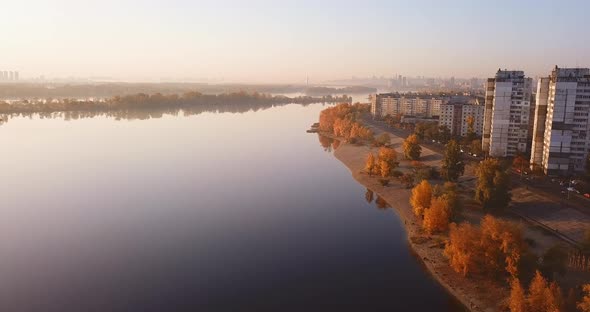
(493, 248)
(436, 218)
(462, 247)
(517, 300)
(370, 164)
(384, 168)
(421, 197)
(584, 304)
(341, 121)
(502, 243)
(539, 297)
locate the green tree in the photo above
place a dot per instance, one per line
(383, 139)
(444, 134)
(412, 148)
(493, 183)
(453, 166)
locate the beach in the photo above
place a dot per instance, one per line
(474, 294)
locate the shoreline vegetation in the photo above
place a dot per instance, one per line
(483, 257)
(143, 106)
(86, 90)
(189, 100)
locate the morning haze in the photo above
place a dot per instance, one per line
(269, 41)
(223, 156)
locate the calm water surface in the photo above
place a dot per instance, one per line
(209, 212)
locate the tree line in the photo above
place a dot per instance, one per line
(342, 121)
(187, 100)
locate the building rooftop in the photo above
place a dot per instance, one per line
(509, 74)
(570, 72)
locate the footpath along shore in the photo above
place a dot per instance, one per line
(474, 295)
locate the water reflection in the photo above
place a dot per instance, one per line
(199, 213)
(148, 113)
(381, 203)
(369, 196)
(329, 144)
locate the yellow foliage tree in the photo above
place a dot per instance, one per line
(370, 164)
(462, 247)
(387, 154)
(584, 304)
(421, 197)
(385, 168)
(436, 218)
(502, 243)
(517, 297)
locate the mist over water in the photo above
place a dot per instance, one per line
(207, 212)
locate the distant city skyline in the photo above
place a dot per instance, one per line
(269, 42)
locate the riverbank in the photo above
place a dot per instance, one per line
(475, 295)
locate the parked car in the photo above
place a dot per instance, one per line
(587, 195)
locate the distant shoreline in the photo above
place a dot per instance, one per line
(187, 101)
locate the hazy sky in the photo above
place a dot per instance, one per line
(283, 41)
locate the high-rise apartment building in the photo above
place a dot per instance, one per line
(507, 114)
(561, 135)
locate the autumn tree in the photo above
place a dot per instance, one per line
(452, 166)
(503, 244)
(370, 164)
(539, 296)
(492, 189)
(462, 246)
(421, 197)
(389, 155)
(517, 301)
(384, 168)
(412, 149)
(436, 218)
(584, 304)
(494, 248)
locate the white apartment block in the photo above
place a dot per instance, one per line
(507, 114)
(562, 128)
(456, 116)
(408, 105)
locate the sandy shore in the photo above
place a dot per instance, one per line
(475, 295)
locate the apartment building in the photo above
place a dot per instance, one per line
(507, 114)
(384, 104)
(561, 135)
(456, 117)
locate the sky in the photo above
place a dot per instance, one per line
(286, 41)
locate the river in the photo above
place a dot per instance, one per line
(205, 212)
